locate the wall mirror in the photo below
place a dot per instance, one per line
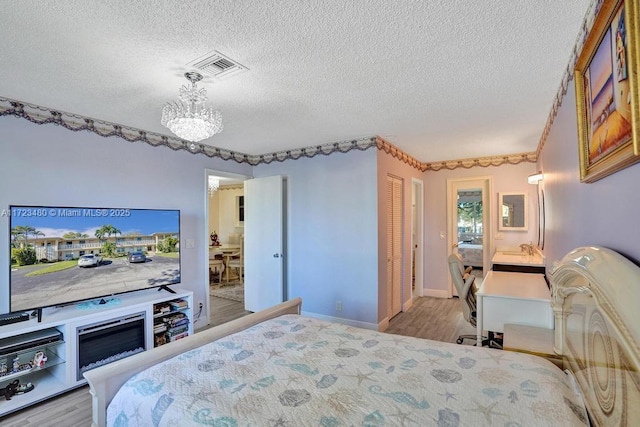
(512, 208)
(541, 219)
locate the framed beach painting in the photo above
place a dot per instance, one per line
(606, 81)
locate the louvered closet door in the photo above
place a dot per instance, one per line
(394, 246)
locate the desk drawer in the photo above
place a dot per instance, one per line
(519, 268)
(498, 311)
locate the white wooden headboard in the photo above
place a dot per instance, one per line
(596, 300)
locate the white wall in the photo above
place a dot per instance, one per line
(332, 233)
(49, 165)
(505, 178)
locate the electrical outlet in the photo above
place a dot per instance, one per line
(200, 305)
(338, 305)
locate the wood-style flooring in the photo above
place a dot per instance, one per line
(224, 310)
(432, 318)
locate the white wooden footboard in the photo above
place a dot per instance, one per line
(106, 380)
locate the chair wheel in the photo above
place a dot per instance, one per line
(459, 340)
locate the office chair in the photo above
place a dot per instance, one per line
(464, 282)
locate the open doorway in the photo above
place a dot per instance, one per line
(470, 227)
(417, 238)
(468, 218)
(224, 227)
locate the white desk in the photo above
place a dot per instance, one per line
(519, 298)
(519, 262)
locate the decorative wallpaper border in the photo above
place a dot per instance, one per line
(42, 115)
(361, 144)
(484, 162)
(75, 122)
(511, 159)
(392, 150)
(230, 187)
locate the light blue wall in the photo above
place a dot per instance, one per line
(332, 232)
(50, 165)
(603, 213)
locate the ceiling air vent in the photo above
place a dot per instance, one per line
(217, 65)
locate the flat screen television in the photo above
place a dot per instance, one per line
(62, 255)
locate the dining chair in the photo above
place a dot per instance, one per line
(216, 267)
(236, 261)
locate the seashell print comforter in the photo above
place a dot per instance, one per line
(301, 371)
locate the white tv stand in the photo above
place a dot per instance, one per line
(60, 371)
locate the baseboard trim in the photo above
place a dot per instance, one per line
(407, 305)
(356, 323)
(383, 325)
(437, 293)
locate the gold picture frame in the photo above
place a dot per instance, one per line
(606, 82)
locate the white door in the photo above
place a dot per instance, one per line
(263, 242)
(394, 246)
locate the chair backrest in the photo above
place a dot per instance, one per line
(238, 256)
(463, 281)
(214, 254)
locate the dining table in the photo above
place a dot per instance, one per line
(227, 251)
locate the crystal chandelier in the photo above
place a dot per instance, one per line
(214, 184)
(189, 118)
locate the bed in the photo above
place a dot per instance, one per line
(277, 367)
(471, 254)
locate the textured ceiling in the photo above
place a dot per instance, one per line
(441, 79)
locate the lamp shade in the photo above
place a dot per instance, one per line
(535, 178)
